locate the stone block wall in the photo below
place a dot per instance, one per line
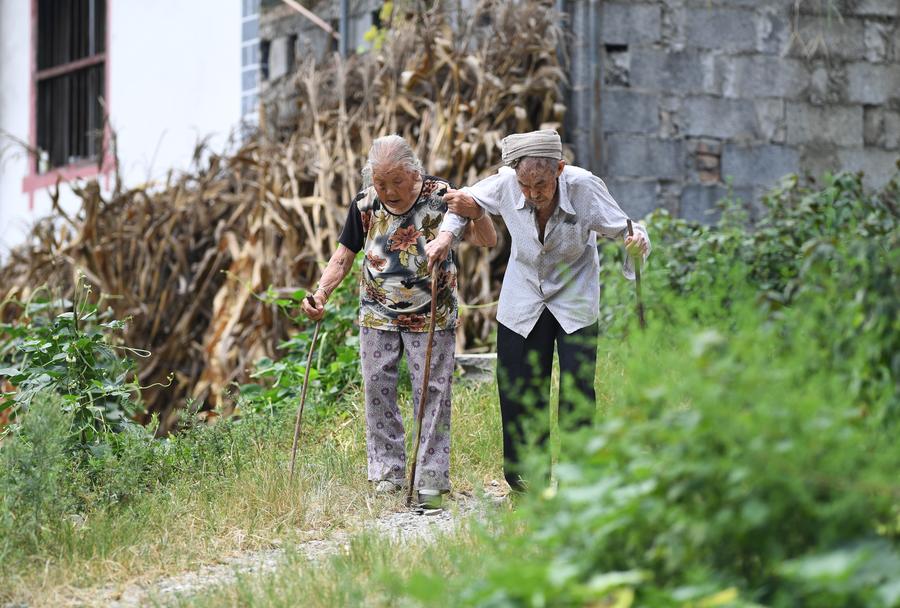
(702, 97)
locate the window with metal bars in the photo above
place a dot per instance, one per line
(70, 81)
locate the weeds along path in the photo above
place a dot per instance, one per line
(401, 526)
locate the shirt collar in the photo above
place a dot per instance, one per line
(520, 202)
(564, 203)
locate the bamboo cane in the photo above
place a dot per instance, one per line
(424, 396)
(637, 283)
(312, 346)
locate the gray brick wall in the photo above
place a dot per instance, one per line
(701, 99)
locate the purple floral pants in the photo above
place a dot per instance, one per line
(381, 352)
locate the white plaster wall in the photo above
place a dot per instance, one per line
(15, 17)
(174, 78)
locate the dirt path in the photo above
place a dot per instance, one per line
(401, 526)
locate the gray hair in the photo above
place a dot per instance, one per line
(541, 164)
(391, 151)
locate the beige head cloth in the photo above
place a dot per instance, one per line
(544, 143)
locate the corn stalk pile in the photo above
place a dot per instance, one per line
(185, 260)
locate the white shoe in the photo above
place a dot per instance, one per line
(430, 500)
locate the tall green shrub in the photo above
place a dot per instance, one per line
(749, 454)
(74, 354)
(36, 488)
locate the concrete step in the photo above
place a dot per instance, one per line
(477, 367)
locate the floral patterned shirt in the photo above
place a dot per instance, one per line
(395, 286)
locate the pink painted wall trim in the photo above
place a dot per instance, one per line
(35, 181)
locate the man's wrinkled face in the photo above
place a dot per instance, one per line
(396, 185)
(537, 179)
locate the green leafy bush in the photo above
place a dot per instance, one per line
(836, 242)
(73, 354)
(722, 465)
(72, 448)
(726, 473)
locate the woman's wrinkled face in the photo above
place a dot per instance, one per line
(538, 182)
(396, 186)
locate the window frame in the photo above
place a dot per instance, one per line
(34, 180)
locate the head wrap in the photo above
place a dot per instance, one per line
(544, 143)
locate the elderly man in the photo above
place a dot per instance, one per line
(551, 289)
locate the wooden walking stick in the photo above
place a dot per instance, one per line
(312, 346)
(424, 396)
(637, 283)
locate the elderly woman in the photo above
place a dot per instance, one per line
(551, 289)
(391, 220)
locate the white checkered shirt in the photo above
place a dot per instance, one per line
(562, 273)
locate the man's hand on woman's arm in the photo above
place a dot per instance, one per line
(479, 230)
(462, 204)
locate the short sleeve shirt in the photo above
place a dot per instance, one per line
(395, 285)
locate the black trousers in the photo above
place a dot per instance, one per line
(524, 367)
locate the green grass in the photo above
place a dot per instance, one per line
(379, 571)
(192, 520)
(373, 571)
(722, 472)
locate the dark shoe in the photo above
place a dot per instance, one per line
(516, 483)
